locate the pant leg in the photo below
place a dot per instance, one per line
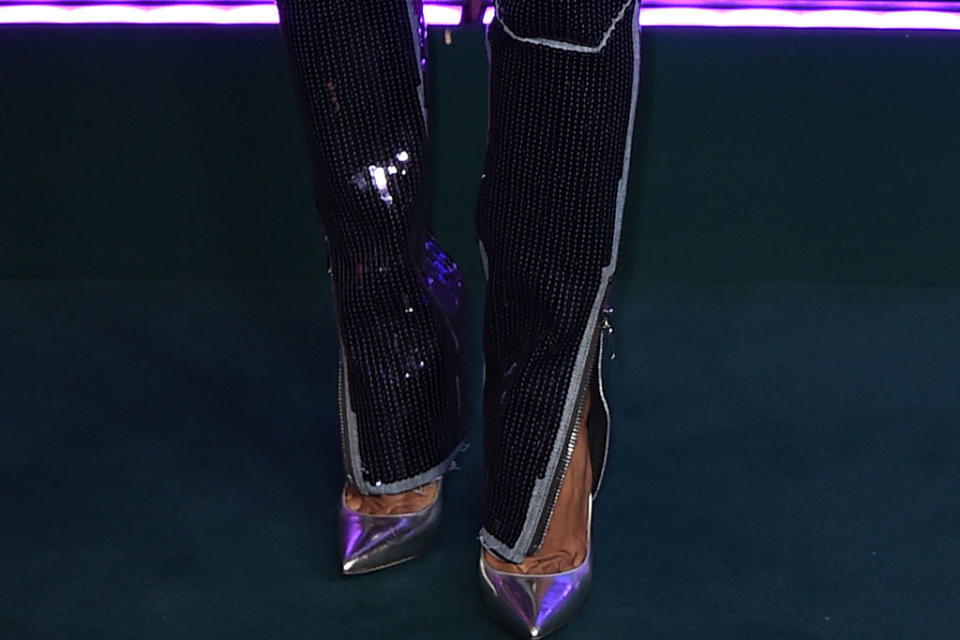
(563, 86)
(358, 71)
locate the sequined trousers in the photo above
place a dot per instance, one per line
(563, 89)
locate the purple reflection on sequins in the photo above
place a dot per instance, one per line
(442, 276)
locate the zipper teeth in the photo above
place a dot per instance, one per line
(341, 377)
(583, 392)
(607, 330)
(345, 445)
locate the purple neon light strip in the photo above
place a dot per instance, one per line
(689, 16)
(250, 13)
(449, 15)
(800, 19)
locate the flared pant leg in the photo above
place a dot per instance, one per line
(358, 71)
(563, 89)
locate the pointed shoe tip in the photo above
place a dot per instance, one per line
(369, 543)
(534, 606)
(375, 559)
(361, 566)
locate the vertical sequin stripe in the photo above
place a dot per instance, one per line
(358, 72)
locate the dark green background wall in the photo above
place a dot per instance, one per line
(760, 154)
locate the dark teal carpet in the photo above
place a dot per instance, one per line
(785, 464)
(786, 457)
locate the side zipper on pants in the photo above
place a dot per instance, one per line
(586, 386)
(341, 373)
(606, 330)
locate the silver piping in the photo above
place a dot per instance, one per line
(560, 44)
(483, 260)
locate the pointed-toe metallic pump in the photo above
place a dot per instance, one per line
(372, 542)
(535, 605)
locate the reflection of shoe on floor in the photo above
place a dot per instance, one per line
(373, 541)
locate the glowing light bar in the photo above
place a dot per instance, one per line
(799, 19)
(139, 14)
(451, 15)
(249, 13)
(442, 15)
(660, 16)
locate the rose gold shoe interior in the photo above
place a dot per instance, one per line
(393, 504)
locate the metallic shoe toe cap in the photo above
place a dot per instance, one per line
(369, 543)
(534, 606)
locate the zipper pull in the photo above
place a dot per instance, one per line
(607, 327)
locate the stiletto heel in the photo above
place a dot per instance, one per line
(535, 605)
(373, 542)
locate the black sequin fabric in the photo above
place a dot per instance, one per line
(548, 218)
(358, 71)
(563, 81)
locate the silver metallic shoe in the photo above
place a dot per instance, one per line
(372, 542)
(534, 606)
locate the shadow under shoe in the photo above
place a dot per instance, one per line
(373, 542)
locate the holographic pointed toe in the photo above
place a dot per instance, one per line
(373, 542)
(535, 605)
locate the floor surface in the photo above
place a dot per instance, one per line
(785, 464)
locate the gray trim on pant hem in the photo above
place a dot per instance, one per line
(413, 482)
(351, 446)
(539, 496)
(490, 541)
